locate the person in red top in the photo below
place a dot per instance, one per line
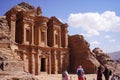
(80, 73)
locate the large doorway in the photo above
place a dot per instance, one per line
(43, 66)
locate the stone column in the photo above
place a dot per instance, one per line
(39, 61)
(66, 39)
(32, 31)
(53, 38)
(31, 63)
(49, 63)
(13, 27)
(55, 63)
(24, 36)
(26, 60)
(46, 37)
(59, 34)
(37, 64)
(39, 36)
(46, 65)
(61, 63)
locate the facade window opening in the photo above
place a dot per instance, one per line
(43, 62)
(56, 39)
(42, 36)
(27, 35)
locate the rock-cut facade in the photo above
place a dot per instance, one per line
(42, 42)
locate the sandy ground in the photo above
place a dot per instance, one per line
(71, 77)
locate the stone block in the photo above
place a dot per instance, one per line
(13, 65)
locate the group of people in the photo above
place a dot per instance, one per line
(80, 73)
(100, 71)
(107, 72)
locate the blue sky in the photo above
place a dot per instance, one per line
(97, 20)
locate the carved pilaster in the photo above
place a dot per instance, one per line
(60, 62)
(36, 64)
(59, 38)
(46, 65)
(32, 27)
(66, 38)
(31, 63)
(13, 27)
(39, 61)
(49, 63)
(39, 36)
(55, 62)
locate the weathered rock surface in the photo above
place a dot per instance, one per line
(4, 30)
(104, 59)
(80, 54)
(11, 66)
(21, 7)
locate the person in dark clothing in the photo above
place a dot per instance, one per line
(99, 73)
(106, 73)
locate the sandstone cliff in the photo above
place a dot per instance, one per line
(4, 30)
(102, 57)
(80, 54)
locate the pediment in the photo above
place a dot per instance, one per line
(55, 20)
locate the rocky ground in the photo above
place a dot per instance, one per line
(46, 77)
(71, 77)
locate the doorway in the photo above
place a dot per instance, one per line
(43, 65)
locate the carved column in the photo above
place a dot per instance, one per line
(31, 63)
(26, 60)
(39, 61)
(13, 27)
(66, 38)
(39, 35)
(46, 37)
(46, 65)
(49, 63)
(36, 63)
(32, 27)
(55, 63)
(26, 27)
(59, 34)
(61, 63)
(53, 37)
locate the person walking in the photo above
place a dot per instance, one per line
(107, 73)
(80, 73)
(65, 75)
(99, 73)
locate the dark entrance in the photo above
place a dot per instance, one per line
(43, 61)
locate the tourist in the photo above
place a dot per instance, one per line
(80, 73)
(99, 73)
(114, 77)
(107, 72)
(65, 75)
